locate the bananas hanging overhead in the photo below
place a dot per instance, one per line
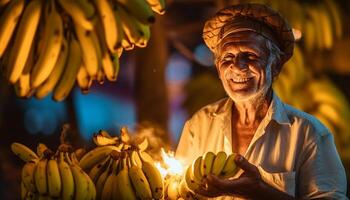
(103, 28)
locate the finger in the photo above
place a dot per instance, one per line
(246, 165)
(203, 192)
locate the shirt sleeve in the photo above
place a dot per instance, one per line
(321, 174)
(186, 148)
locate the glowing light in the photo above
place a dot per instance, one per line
(170, 165)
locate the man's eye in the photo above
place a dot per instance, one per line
(252, 57)
(227, 58)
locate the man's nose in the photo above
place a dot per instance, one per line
(239, 63)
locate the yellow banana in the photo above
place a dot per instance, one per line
(192, 184)
(67, 79)
(309, 35)
(140, 9)
(53, 178)
(198, 176)
(67, 179)
(40, 176)
(157, 6)
(83, 79)
(139, 181)
(109, 24)
(184, 191)
(27, 176)
(326, 26)
(81, 182)
(24, 39)
(207, 163)
(230, 167)
(22, 86)
(336, 15)
(218, 163)
(41, 149)
(78, 14)
(314, 14)
(101, 76)
(23, 152)
(101, 140)
(52, 46)
(50, 83)
(96, 155)
(108, 187)
(172, 189)
(142, 146)
(89, 52)
(98, 169)
(8, 22)
(134, 156)
(130, 26)
(124, 186)
(124, 135)
(102, 179)
(88, 8)
(154, 178)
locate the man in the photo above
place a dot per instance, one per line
(283, 153)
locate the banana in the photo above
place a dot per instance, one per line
(89, 52)
(24, 191)
(110, 28)
(336, 15)
(98, 169)
(101, 76)
(66, 179)
(24, 39)
(27, 176)
(96, 155)
(157, 6)
(140, 9)
(218, 163)
(172, 189)
(108, 187)
(83, 79)
(22, 86)
(198, 176)
(40, 176)
(331, 113)
(52, 46)
(53, 178)
(184, 191)
(121, 35)
(41, 149)
(50, 83)
(134, 156)
(88, 8)
(101, 140)
(309, 35)
(154, 178)
(8, 22)
(326, 26)
(130, 26)
(80, 181)
(139, 181)
(124, 186)
(23, 152)
(230, 167)
(142, 146)
(190, 181)
(124, 135)
(78, 14)
(67, 79)
(102, 179)
(207, 163)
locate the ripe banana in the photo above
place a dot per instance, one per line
(67, 179)
(142, 146)
(89, 52)
(140, 9)
(78, 14)
(139, 181)
(67, 79)
(101, 140)
(98, 169)
(192, 184)
(230, 168)
(53, 178)
(83, 79)
(172, 189)
(109, 24)
(102, 178)
(24, 39)
(157, 6)
(207, 163)
(335, 13)
(124, 186)
(124, 135)
(23, 152)
(134, 156)
(45, 88)
(198, 176)
(154, 178)
(130, 26)
(40, 176)
(96, 155)
(28, 176)
(8, 22)
(52, 40)
(218, 163)
(108, 187)
(80, 181)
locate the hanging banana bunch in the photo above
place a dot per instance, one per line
(47, 46)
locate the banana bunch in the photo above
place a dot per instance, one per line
(121, 168)
(45, 46)
(52, 175)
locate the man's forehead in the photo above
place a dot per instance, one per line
(249, 39)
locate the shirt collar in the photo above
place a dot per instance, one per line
(275, 112)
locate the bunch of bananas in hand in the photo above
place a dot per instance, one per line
(122, 169)
(52, 175)
(45, 46)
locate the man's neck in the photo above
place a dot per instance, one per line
(252, 111)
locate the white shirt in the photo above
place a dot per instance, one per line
(293, 151)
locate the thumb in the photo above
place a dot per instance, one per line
(246, 165)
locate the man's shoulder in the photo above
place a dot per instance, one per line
(305, 121)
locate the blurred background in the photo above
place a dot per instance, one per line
(159, 87)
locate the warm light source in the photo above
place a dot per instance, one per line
(170, 166)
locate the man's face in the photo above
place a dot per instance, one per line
(242, 64)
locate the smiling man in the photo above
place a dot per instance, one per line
(283, 153)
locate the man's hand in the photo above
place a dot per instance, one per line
(248, 185)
